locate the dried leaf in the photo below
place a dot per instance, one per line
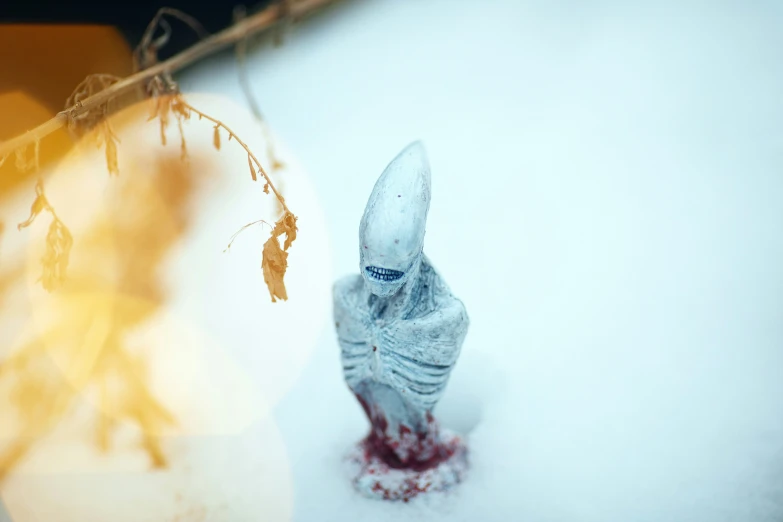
(100, 139)
(155, 109)
(274, 264)
(180, 108)
(275, 259)
(215, 138)
(288, 226)
(163, 115)
(106, 136)
(252, 170)
(38, 206)
(182, 146)
(111, 157)
(56, 257)
(266, 188)
(163, 123)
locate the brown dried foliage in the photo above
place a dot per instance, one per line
(91, 85)
(55, 260)
(42, 392)
(122, 291)
(106, 136)
(166, 105)
(216, 137)
(275, 260)
(252, 170)
(58, 242)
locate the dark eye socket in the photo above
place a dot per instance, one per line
(383, 274)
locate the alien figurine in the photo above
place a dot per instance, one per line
(400, 331)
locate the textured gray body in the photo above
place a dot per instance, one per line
(399, 327)
(398, 351)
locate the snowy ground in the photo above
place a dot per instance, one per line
(607, 202)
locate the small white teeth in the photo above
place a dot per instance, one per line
(384, 274)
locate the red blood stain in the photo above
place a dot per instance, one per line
(410, 489)
(408, 448)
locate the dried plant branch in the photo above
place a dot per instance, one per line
(43, 401)
(274, 260)
(179, 102)
(90, 86)
(264, 20)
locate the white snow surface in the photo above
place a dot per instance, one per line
(607, 201)
(607, 186)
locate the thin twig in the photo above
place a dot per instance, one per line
(261, 21)
(241, 51)
(232, 135)
(146, 53)
(234, 236)
(176, 13)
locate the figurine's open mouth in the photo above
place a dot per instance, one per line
(383, 274)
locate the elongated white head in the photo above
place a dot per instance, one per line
(391, 234)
